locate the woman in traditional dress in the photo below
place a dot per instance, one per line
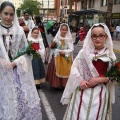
(60, 60)
(88, 92)
(35, 37)
(19, 99)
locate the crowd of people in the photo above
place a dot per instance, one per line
(86, 88)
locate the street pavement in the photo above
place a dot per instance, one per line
(52, 109)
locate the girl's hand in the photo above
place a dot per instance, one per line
(13, 64)
(83, 84)
(93, 82)
(62, 53)
(37, 51)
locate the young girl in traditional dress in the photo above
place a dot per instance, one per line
(35, 37)
(60, 60)
(19, 99)
(88, 92)
(38, 22)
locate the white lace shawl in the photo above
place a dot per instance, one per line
(8, 94)
(68, 43)
(83, 68)
(41, 44)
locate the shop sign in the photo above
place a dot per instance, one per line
(116, 15)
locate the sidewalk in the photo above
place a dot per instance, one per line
(116, 46)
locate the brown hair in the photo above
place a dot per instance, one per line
(64, 25)
(35, 28)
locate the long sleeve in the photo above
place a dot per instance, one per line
(69, 49)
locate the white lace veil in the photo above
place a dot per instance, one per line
(109, 44)
(30, 35)
(68, 34)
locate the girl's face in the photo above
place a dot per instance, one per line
(35, 33)
(98, 37)
(7, 15)
(63, 31)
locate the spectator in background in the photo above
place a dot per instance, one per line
(117, 31)
(22, 24)
(81, 35)
(73, 25)
(29, 23)
(112, 29)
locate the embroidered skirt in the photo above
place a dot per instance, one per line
(52, 78)
(38, 70)
(90, 104)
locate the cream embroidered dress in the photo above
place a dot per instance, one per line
(91, 103)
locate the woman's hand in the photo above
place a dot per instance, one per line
(93, 82)
(13, 64)
(83, 85)
(62, 53)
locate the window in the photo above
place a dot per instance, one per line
(91, 4)
(82, 4)
(61, 2)
(52, 11)
(60, 11)
(116, 2)
(65, 11)
(104, 2)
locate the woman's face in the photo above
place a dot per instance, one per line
(98, 37)
(64, 30)
(35, 34)
(7, 15)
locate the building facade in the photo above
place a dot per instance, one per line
(65, 7)
(49, 9)
(101, 5)
(16, 3)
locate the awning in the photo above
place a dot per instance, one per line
(90, 11)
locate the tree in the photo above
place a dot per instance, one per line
(18, 12)
(31, 6)
(109, 15)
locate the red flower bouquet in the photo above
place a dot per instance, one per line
(53, 45)
(29, 51)
(114, 72)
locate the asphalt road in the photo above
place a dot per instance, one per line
(52, 109)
